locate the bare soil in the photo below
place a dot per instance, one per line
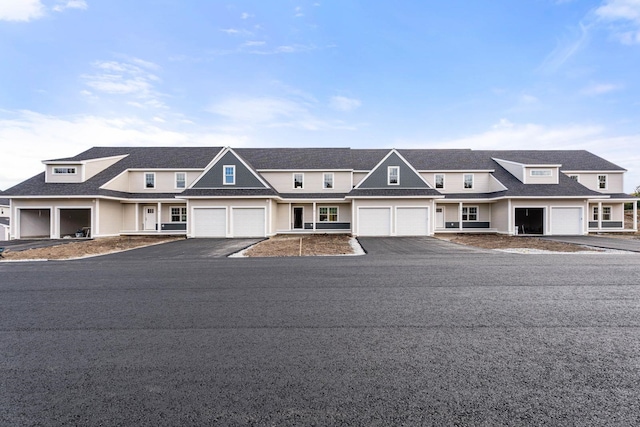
(498, 241)
(82, 248)
(307, 245)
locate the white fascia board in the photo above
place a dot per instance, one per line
(498, 181)
(412, 168)
(393, 151)
(163, 169)
(394, 197)
(219, 156)
(213, 161)
(225, 197)
(495, 159)
(61, 162)
(457, 170)
(592, 171)
(305, 170)
(311, 200)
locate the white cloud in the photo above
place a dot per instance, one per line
(624, 17)
(245, 15)
(342, 103)
(599, 89)
(71, 4)
(21, 10)
(565, 50)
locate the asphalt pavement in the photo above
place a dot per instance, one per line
(395, 339)
(618, 243)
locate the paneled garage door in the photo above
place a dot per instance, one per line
(248, 222)
(412, 221)
(566, 221)
(210, 222)
(374, 221)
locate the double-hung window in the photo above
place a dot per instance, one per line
(602, 182)
(606, 213)
(229, 177)
(327, 181)
(298, 180)
(328, 214)
(469, 213)
(178, 214)
(439, 180)
(468, 181)
(393, 175)
(149, 180)
(181, 180)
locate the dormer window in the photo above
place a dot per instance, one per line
(541, 172)
(64, 171)
(149, 180)
(229, 175)
(393, 175)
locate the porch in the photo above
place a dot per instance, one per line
(313, 218)
(608, 217)
(463, 217)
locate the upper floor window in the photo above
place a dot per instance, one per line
(469, 213)
(602, 182)
(468, 180)
(393, 175)
(181, 180)
(149, 180)
(298, 180)
(328, 214)
(64, 171)
(327, 181)
(229, 175)
(179, 214)
(541, 172)
(439, 180)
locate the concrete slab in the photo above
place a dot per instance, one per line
(619, 243)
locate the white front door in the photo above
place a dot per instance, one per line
(149, 217)
(439, 217)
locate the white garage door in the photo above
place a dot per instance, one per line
(248, 222)
(374, 221)
(210, 222)
(566, 221)
(412, 221)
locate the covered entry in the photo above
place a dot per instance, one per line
(530, 220)
(35, 223)
(75, 222)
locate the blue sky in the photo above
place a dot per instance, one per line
(502, 74)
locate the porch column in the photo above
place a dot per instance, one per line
(314, 215)
(599, 215)
(635, 216)
(290, 222)
(137, 217)
(159, 226)
(460, 216)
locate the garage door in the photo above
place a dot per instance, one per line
(566, 221)
(210, 222)
(412, 221)
(248, 222)
(374, 221)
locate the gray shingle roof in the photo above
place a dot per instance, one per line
(297, 158)
(393, 192)
(227, 192)
(4, 202)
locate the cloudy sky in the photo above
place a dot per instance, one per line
(503, 74)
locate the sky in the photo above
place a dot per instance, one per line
(500, 74)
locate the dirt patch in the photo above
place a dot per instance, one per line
(499, 241)
(307, 245)
(82, 248)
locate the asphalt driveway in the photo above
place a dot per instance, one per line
(622, 244)
(415, 246)
(187, 249)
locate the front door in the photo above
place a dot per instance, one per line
(439, 217)
(149, 218)
(297, 217)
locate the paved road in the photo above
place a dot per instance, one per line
(430, 339)
(619, 243)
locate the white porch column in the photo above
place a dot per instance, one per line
(460, 216)
(314, 216)
(510, 229)
(290, 222)
(599, 215)
(635, 216)
(159, 226)
(137, 217)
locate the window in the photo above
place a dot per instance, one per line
(149, 180)
(64, 171)
(179, 214)
(541, 172)
(468, 180)
(606, 213)
(602, 182)
(298, 180)
(393, 175)
(229, 175)
(469, 213)
(328, 214)
(327, 181)
(576, 178)
(181, 180)
(439, 180)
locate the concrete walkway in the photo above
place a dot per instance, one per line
(619, 243)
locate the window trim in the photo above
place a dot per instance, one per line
(541, 173)
(328, 214)
(389, 169)
(324, 181)
(595, 213)
(468, 214)
(435, 181)
(144, 182)
(606, 182)
(58, 170)
(464, 181)
(182, 214)
(224, 174)
(176, 181)
(293, 176)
